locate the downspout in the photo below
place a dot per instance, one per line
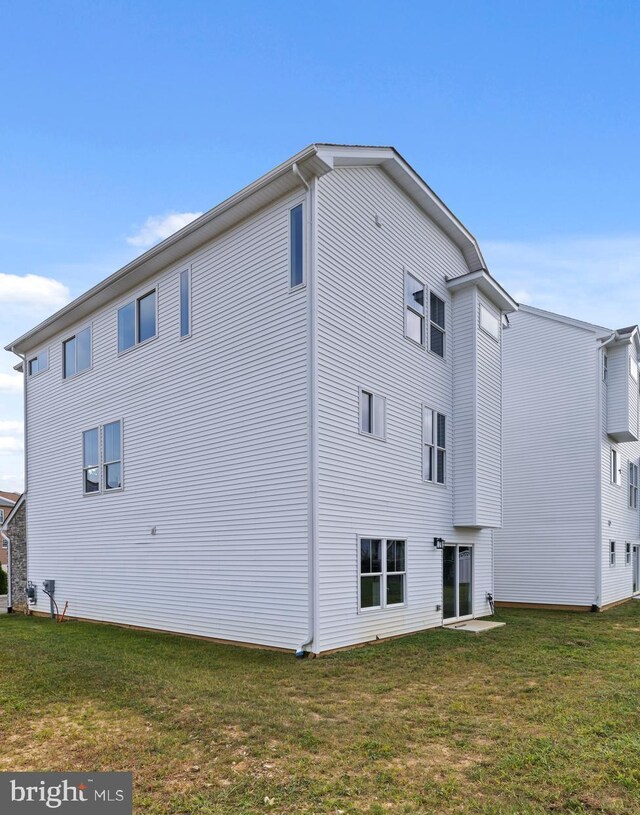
(600, 350)
(310, 258)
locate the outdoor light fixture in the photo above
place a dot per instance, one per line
(438, 543)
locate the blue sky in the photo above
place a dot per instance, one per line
(524, 117)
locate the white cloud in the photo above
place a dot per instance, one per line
(10, 444)
(159, 227)
(13, 428)
(33, 291)
(12, 481)
(11, 383)
(589, 278)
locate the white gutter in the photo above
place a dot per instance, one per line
(600, 532)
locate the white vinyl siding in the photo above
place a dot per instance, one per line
(365, 487)
(223, 430)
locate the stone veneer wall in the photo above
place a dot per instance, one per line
(17, 534)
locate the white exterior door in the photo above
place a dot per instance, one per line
(457, 582)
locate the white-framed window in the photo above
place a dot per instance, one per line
(382, 572)
(633, 485)
(76, 353)
(612, 553)
(372, 414)
(185, 303)
(489, 323)
(633, 368)
(1, 516)
(605, 368)
(5, 542)
(436, 325)
(627, 554)
(296, 246)
(415, 301)
(434, 446)
(39, 363)
(616, 476)
(137, 321)
(102, 458)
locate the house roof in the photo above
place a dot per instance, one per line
(488, 285)
(14, 510)
(608, 336)
(314, 160)
(10, 496)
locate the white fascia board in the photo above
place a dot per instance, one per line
(599, 330)
(490, 287)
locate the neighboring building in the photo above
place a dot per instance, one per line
(312, 371)
(571, 532)
(7, 502)
(13, 531)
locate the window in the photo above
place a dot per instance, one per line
(415, 302)
(489, 323)
(90, 463)
(1, 516)
(612, 553)
(633, 485)
(382, 572)
(436, 325)
(372, 414)
(76, 353)
(137, 321)
(434, 443)
(633, 369)
(615, 466)
(39, 363)
(5, 542)
(296, 247)
(111, 467)
(605, 368)
(112, 456)
(627, 554)
(185, 303)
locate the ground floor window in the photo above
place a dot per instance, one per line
(382, 572)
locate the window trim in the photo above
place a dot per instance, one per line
(115, 461)
(96, 466)
(627, 553)
(374, 395)
(633, 472)
(434, 445)
(188, 271)
(37, 356)
(383, 574)
(73, 336)
(136, 300)
(5, 541)
(297, 286)
(445, 343)
(612, 553)
(423, 317)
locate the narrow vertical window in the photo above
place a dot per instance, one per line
(76, 356)
(126, 326)
(370, 573)
(434, 446)
(415, 302)
(91, 463)
(436, 325)
(395, 572)
(627, 554)
(112, 455)
(633, 485)
(372, 414)
(296, 246)
(612, 553)
(615, 466)
(147, 317)
(605, 368)
(185, 303)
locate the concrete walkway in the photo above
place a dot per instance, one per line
(3, 603)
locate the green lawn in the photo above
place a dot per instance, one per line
(542, 716)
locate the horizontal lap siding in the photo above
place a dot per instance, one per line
(215, 456)
(619, 521)
(545, 552)
(367, 486)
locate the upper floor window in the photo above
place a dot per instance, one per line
(436, 327)
(633, 368)
(489, 322)
(39, 363)
(633, 485)
(372, 414)
(434, 445)
(76, 353)
(415, 303)
(616, 477)
(137, 321)
(296, 246)
(185, 303)
(605, 368)
(102, 462)
(1, 516)
(382, 572)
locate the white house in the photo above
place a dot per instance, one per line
(571, 532)
(312, 371)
